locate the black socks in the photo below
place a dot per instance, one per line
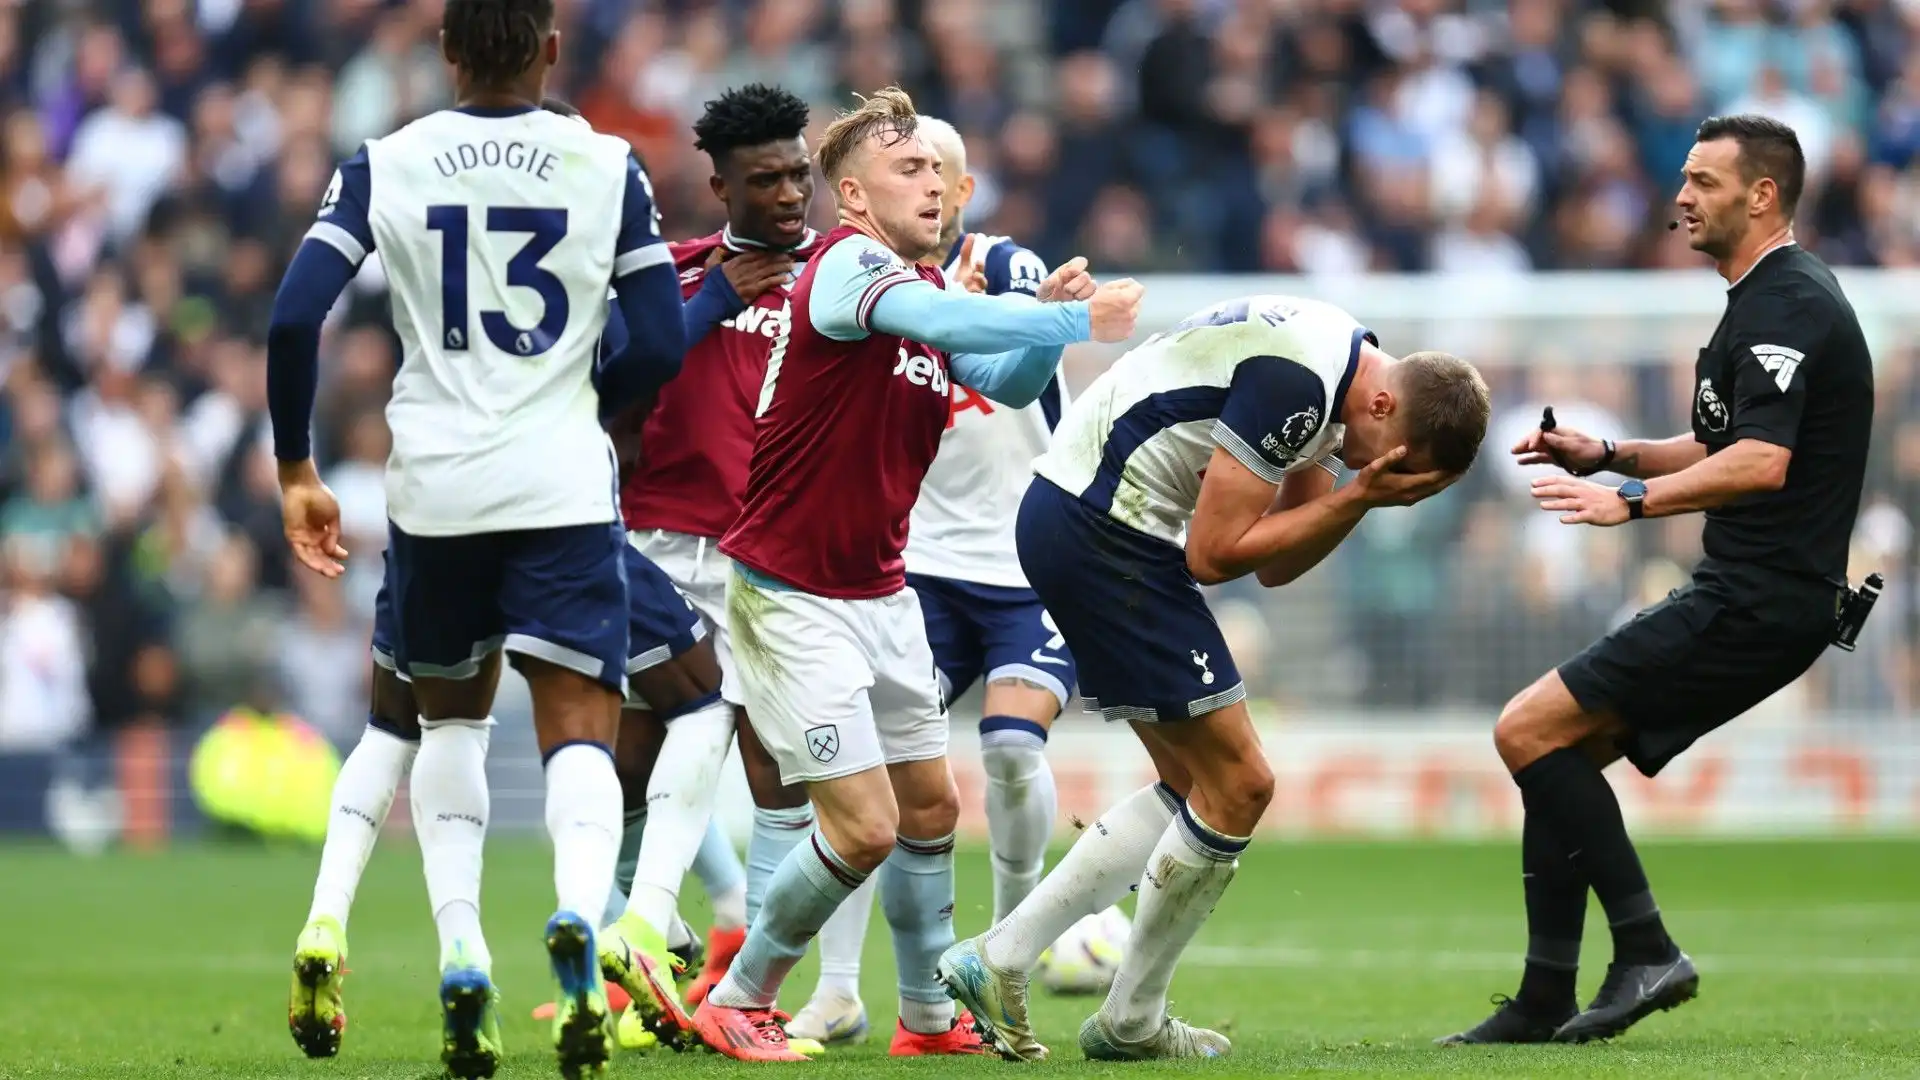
(1556, 894)
(1578, 806)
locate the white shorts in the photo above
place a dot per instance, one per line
(836, 687)
(700, 572)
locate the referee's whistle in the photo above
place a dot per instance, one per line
(1547, 422)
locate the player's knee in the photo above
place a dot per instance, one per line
(1523, 733)
(1023, 699)
(1233, 799)
(637, 747)
(1252, 788)
(405, 728)
(863, 840)
(931, 811)
(392, 708)
(1509, 731)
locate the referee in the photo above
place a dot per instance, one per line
(1782, 406)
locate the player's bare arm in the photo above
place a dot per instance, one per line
(1755, 424)
(1746, 467)
(1298, 489)
(1580, 453)
(1233, 534)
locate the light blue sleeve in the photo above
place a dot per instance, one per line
(848, 281)
(1016, 378)
(956, 321)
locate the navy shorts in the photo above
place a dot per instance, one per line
(994, 630)
(661, 622)
(558, 595)
(1143, 639)
(385, 630)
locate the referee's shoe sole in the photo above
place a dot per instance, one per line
(1629, 994)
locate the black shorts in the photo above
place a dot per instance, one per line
(1713, 649)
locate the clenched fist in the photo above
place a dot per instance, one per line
(1115, 308)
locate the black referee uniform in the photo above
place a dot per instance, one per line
(1788, 365)
(1787, 368)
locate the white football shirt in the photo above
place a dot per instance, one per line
(496, 230)
(1262, 377)
(962, 524)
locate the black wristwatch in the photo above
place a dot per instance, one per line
(1607, 451)
(1635, 493)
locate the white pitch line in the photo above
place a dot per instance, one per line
(1282, 957)
(1833, 915)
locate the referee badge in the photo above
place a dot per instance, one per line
(1710, 408)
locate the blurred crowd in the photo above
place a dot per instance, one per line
(160, 160)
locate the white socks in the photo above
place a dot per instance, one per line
(841, 941)
(678, 934)
(1096, 873)
(584, 818)
(1187, 873)
(450, 808)
(362, 795)
(680, 797)
(718, 867)
(1021, 806)
(730, 906)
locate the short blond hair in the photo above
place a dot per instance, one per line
(888, 112)
(1447, 407)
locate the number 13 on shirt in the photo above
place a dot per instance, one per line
(545, 228)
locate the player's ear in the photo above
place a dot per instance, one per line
(718, 185)
(1382, 404)
(965, 191)
(852, 195)
(446, 53)
(550, 48)
(1765, 193)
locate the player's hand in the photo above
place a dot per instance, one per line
(1069, 281)
(971, 275)
(1564, 447)
(1580, 502)
(752, 272)
(1379, 485)
(1114, 308)
(311, 517)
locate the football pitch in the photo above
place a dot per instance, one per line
(1324, 959)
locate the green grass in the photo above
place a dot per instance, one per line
(1323, 960)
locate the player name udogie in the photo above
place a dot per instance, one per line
(518, 156)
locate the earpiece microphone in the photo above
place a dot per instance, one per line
(1672, 225)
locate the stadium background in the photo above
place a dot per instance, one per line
(1490, 177)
